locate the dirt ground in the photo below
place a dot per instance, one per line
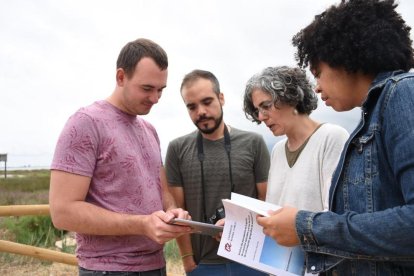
(56, 269)
(38, 269)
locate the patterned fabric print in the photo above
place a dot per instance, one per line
(121, 154)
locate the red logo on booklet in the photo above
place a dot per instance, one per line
(227, 247)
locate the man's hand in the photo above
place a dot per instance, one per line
(158, 228)
(178, 213)
(281, 226)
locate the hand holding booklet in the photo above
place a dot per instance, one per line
(243, 239)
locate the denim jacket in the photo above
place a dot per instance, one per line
(370, 228)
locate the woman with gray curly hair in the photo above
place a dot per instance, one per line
(302, 164)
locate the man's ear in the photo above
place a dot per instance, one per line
(221, 98)
(120, 77)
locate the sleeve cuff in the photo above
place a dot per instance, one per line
(304, 221)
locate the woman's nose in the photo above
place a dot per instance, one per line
(318, 88)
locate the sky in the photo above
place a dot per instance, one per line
(58, 56)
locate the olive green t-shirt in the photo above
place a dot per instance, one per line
(250, 163)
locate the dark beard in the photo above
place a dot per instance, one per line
(217, 123)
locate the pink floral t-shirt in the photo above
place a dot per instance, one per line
(121, 154)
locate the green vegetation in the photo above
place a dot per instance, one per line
(33, 230)
(28, 181)
(171, 251)
(24, 187)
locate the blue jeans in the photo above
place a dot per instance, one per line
(229, 269)
(156, 272)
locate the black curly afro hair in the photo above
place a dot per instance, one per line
(366, 36)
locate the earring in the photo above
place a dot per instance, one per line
(295, 112)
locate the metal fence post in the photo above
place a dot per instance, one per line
(3, 157)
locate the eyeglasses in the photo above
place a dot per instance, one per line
(264, 109)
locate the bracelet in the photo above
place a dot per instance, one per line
(186, 255)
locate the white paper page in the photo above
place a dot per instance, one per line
(258, 206)
(243, 239)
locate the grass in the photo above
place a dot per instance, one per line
(33, 230)
(171, 252)
(25, 187)
(32, 187)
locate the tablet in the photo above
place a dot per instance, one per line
(199, 227)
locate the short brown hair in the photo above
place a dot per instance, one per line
(201, 74)
(135, 50)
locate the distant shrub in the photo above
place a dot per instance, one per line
(26, 181)
(36, 230)
(25, 187)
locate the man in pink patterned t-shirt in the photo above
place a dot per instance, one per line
(107, 180)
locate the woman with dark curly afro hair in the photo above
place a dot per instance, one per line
(361, 54)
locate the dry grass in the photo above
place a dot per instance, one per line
(38, 269)
(35, 267)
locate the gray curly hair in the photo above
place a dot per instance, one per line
(286, 85)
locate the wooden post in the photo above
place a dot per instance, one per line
(24, 210)
(37, 252)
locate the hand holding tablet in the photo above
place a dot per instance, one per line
(199, 227)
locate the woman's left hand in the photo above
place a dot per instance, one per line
(281, 226)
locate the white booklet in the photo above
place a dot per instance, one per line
(243, 239)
